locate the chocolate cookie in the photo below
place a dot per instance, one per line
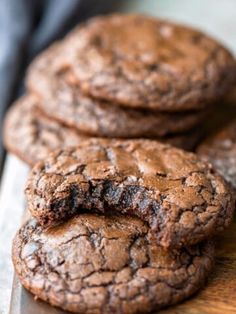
(102, 264)
(32, 136)
(61, 99)
(144, 62)
(181, 198)
(220, 150)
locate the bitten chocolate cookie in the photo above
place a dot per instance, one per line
(144, 62)
(99, 264)
(32, 136)
(61, 99)
(220, 150)
(181, 198)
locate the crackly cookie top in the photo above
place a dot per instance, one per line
(220, 150)
(183, 200)
(139, 61)
(61, 99)
(106, 264)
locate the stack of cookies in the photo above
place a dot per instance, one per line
(119, 77)
(121, 227)
(120, 224)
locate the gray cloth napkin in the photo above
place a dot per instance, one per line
(28, 26)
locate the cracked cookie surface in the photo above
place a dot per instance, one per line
(144, 62)
(220, 150)
(32, 136)
(106, 264)
(181, 198)
(61, 99)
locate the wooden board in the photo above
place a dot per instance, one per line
(11, 210)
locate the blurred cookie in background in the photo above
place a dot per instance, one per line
(31, 135)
